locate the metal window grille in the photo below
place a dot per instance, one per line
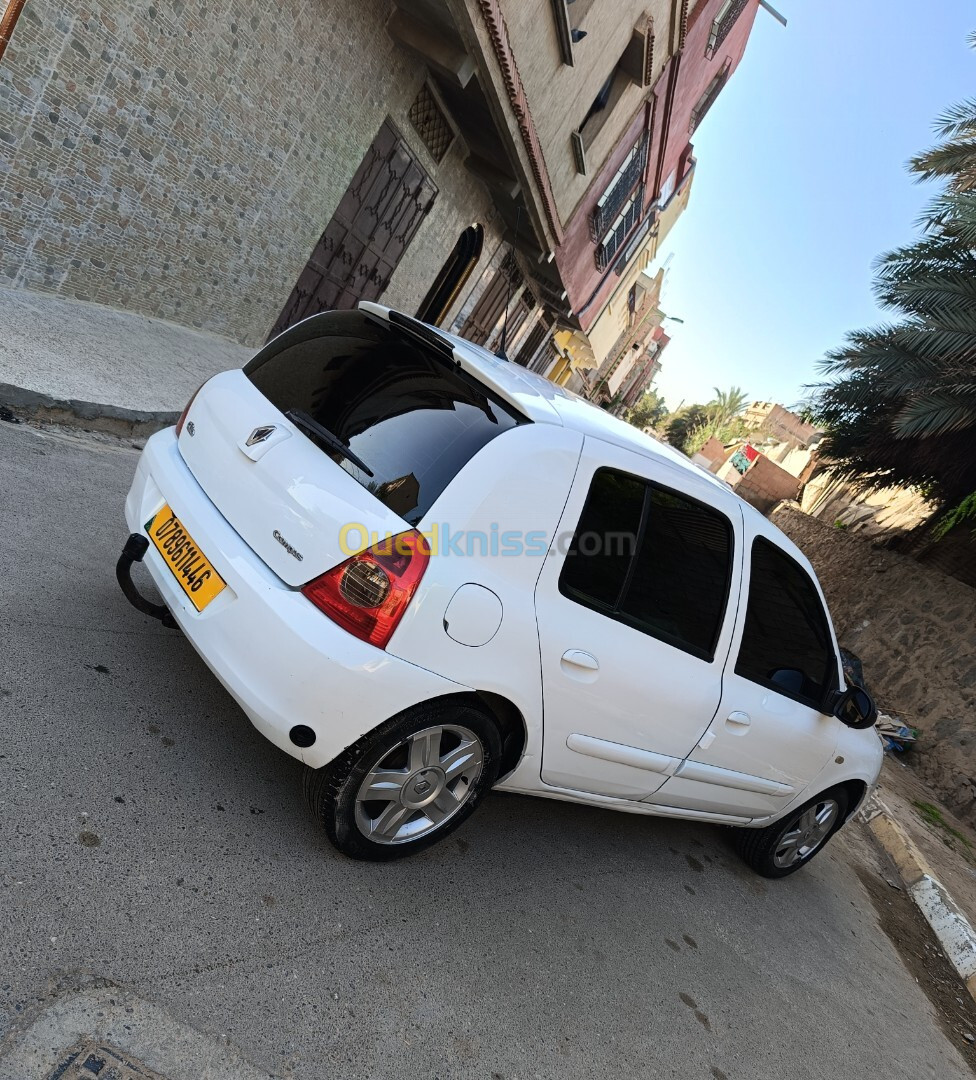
(708, 99)
(431, 124)
(722, 25)
(619, 189)
(619, 231)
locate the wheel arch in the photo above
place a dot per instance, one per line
(856, 788)
(856, 791)
(507, 716)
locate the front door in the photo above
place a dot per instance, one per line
(387, 199)
(770, 738)
(635, 620)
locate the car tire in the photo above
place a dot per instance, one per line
(427, 768)
(790, 843)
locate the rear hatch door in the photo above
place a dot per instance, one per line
(267, 442)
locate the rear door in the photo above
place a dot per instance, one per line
(633, 606)
(405, 411)
(770, 737)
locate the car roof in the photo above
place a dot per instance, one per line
(543, 401)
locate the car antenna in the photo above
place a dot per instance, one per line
(501, 354)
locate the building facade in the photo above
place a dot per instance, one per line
(504, 168)
(779, 423)
(645, 183)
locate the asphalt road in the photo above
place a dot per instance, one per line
(150, 837)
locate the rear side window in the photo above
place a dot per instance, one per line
(399, 403)
(653, 559)
(786, 643)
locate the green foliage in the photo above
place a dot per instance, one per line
(682, 423)
(726, 405)
(725, 433)
(899, 400)
(964, 511)
(649, 411)
(933, 816)
(696, 439)
(691, 427)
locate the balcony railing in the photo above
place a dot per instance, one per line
(708, 99)
(722, 25)
(618, 232)
(619, 189)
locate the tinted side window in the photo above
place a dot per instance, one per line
(786, 641)
(653, 559)
(606, 539)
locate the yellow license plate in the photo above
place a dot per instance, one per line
(188, 564)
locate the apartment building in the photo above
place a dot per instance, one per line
(504, 168)
(645, 183)
(777, 422)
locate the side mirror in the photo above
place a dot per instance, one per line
(855, 707)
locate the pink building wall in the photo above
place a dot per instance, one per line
(667, 118)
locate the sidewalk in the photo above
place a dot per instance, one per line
(81, 363)
(934, 855)
(947, 844)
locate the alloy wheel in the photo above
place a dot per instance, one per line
(806, 833)
(419, 784)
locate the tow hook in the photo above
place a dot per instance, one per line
(133, 552)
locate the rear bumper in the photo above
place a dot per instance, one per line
(280, 658)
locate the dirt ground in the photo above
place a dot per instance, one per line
(947, 842)
(914, 629)
(916, 944)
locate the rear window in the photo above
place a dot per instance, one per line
(399, 403)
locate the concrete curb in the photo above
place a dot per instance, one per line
(89, 415)
(953, 930)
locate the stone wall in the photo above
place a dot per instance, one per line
(181, 160)
(915, 630)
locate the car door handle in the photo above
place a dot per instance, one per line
(581, 659)
(739, 719)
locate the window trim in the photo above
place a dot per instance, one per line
(630, 621)
(722, 25)
(628, 176)
(831, 679)
(631, 216)
(709, 96)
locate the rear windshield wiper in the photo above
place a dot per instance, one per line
(313, 427)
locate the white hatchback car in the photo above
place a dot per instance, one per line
(425, 572)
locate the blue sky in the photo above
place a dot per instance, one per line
(801, 184)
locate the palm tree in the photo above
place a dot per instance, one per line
(726, 405)
(899, 404)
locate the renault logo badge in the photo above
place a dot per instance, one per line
(260, 434)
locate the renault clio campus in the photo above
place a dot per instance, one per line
(426, 573)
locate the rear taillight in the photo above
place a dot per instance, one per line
(182, 419)
(368, 594)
